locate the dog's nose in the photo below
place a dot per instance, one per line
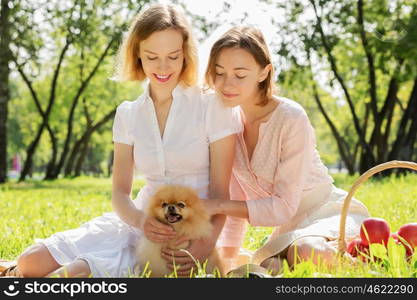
(171, 208)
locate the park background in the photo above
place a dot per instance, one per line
(351, 64)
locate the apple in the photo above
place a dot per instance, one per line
(408, 252)
(399, 241)
(409, 233)
(356, 247)
(395, 237)
(375, 230)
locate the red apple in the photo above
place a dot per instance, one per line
(399, 241)
(409, 233)
(394, 236)
(408, 252)
(375, 230)
(356, 247)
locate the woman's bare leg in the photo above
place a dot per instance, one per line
(273, 264)
(36, 261)
(315, 248)
(233, 257)
(78, 268)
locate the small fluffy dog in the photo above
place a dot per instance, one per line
(181, 208)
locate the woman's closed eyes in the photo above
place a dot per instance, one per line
(237, 76)
(154, 58)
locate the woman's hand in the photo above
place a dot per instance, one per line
(199, 249)
(156, 231)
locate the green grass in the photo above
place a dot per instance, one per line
(37, 209)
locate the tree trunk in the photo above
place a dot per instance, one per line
(74, 105)
(81, 158)
(378, 137)
(30, 152)
(110, 163)
(341, 143)
(85, 138)
(407, 151)
(399, 149)
(45, 115)
(72, 158)
(52, 162)
(5, 58)
(333, 65)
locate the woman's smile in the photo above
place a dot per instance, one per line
(162, 78)
(229, 95)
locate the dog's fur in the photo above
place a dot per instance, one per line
(181, 208)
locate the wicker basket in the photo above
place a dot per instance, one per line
(365, 176)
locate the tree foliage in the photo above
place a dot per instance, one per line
(65, 65)
(361, 56)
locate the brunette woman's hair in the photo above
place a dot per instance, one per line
(251, 40)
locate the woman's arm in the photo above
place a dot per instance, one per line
(294, 160)
(123, 170)
(221, 161)
(234, 208)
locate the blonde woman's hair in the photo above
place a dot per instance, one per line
(250, 39)
(156, 18)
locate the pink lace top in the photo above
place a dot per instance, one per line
(284, 165)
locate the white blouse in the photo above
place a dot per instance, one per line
(181, 156)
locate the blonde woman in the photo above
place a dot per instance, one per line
(172, 134)
(278, 178)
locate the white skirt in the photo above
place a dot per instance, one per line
(321, 221)
(106, 243)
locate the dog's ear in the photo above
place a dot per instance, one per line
(152, 204)
(190, 200)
